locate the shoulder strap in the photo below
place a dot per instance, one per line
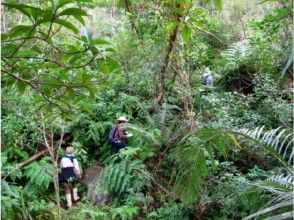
(114, 132)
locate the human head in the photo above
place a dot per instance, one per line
(122, 119)
(207, 70)
(70, 150)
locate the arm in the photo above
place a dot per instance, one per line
(77, 167)
(61, 165)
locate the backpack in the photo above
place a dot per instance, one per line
(111, 136)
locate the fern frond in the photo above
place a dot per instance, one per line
(237, 51)
(191, 168)
(123, 176)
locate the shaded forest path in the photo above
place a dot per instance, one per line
(92, 181)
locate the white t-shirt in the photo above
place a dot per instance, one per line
(66, 162)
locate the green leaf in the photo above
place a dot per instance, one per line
(176, 10)
(47, 15)
(27, 52)
(218, 4)
(108, 65)
(74, 12)
(88, 33)
(28, 10)
(92, 90)
(80, 19)
(19, 30)
(86, 78)
(67, 24)
(99, 41)
(59, 3)
(8, 82)
(21, 87)
(4, 36)
(186, 33)
(73, 58)
(7, 49)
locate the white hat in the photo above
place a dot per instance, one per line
(122, 118)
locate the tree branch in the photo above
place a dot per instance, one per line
(212, 35)
(51, 44)
(128, 9)
(24, 163)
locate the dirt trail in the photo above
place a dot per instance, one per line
(91, 179)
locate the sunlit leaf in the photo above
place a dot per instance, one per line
(67, 24)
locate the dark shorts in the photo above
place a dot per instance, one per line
(117, 145)
(67, 175)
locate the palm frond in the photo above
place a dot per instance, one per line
(286, 215)
(190, 157)
(270, 209)
(280, 144)
(284, 181)
(275, 140)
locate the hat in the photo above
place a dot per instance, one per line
(122, 118)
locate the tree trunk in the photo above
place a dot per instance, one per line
(3, 20)
(171, 42)
(128, 9)
(56, 188)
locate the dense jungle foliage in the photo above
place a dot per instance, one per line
(222, 151)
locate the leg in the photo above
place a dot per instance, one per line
(75, 192)
(68, 194)
(116, 147)
(119, 146)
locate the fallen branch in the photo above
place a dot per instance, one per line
(22, 164)
(32, 158)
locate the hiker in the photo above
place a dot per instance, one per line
(207, 78)
(118, 136)
(70, 171)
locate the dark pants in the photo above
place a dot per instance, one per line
(117, 145)
(67, 175)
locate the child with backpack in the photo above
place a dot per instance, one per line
(70, 171)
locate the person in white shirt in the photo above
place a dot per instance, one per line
(70, 170)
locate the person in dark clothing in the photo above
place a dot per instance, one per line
(120, 135)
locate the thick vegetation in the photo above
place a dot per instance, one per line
(71, 67)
